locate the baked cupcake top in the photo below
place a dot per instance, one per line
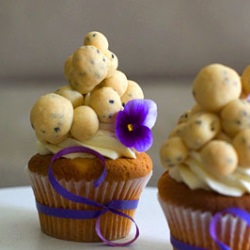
(210, 146)
(99, 108)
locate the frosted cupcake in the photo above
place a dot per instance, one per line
(91, 166)
(204, 192)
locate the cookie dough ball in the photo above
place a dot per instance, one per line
(96, 39)
(173, 152)
(72, 95)
(201, 128)
(215, 86)
(68, 66)
(113, 62)
(235, 116)
(118, 81)
(89, 68)
(85, 123)
(187, 114)
(51, 118)
(245, 80)
(177, 130)
(133, 91)
(219, 157)
(106, 102)
(241, 143)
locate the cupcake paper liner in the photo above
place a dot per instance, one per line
(192, 227)
(112, 226)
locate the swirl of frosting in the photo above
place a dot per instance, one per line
(104, 142)
(195, 175)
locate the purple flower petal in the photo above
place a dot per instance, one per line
(152, 113)
(144, 139)
(143, 111)
(136, 110)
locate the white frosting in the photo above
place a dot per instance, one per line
(104, 142)
(195, 175)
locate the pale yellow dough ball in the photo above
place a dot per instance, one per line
(89, 68)
(106, 102)
(118, 81)
(113, 62)
(133, 91)
(71, 94)
(219, 157)
(177, 130)
(96, 39)
(235, 116)
(200, 128)
(51, 118)
(173, 152)
(184, 117)
(215, 86)
(245, 80)
(241, 143)
(187, 114)
(85, 123)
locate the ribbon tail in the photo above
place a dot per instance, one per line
(112, 243)
(240, 213)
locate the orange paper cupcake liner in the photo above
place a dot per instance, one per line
(191, 227)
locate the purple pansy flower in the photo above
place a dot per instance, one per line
(134, 123)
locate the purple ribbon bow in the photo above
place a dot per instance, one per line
(242, 214)
(113, 206)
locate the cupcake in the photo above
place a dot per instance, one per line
(205, 190)
(91, 164)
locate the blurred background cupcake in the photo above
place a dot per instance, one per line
(204, 192)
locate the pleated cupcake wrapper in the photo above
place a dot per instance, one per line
(192, 227)
(112, 226)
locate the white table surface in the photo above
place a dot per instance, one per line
(19, 225)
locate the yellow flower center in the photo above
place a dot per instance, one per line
(130, 127)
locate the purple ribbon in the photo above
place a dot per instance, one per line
(113, 206)
(242, 214)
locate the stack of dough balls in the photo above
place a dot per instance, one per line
(217, 126)
(96, 91)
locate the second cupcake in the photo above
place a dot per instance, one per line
(205, 191)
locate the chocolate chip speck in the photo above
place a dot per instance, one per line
(244, 113)
(57, 129)
(238, 122)
(198, 122)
